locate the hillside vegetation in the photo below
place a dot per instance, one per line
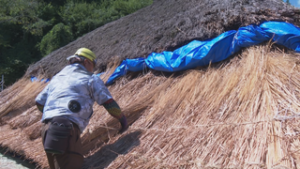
(31, 29)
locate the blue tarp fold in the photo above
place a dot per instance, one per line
(201, 53)
(132, 65)
(33, 79)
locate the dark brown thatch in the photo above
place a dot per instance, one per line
(242, 113)
(166, 25)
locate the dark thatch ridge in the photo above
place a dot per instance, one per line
(166, 25)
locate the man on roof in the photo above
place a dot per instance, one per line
(67, 106)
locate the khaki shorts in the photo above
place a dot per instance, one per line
(73, 158)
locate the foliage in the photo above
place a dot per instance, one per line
(82, 17)
(59, 35)
(20, 30)
(129, 6)
(31, 29)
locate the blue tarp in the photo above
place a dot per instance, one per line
(201, 53)
(33, 78)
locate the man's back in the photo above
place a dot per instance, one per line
(71, 93)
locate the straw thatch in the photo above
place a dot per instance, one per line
(241, 113)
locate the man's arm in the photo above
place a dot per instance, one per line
(103, 97)
(113, 109)
(41, 98)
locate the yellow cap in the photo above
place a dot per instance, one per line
(84, 52)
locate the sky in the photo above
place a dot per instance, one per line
(295, 3)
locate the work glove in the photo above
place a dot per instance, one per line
(124, 124)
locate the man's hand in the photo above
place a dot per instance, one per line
(124, 124)
(113, 109)
(123, 129)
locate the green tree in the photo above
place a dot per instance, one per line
(60, 35)
(125, 7)
(31, 29)
(84, 17)
(20, 30)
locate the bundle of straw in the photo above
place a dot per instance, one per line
(228, 116)
(22, 99)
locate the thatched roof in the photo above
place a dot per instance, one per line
(238, 114)
(166, 25)
(241, 113)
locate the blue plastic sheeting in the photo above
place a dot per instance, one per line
(33, 78)
(132, 65)
(201, 53)
(99, 74)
